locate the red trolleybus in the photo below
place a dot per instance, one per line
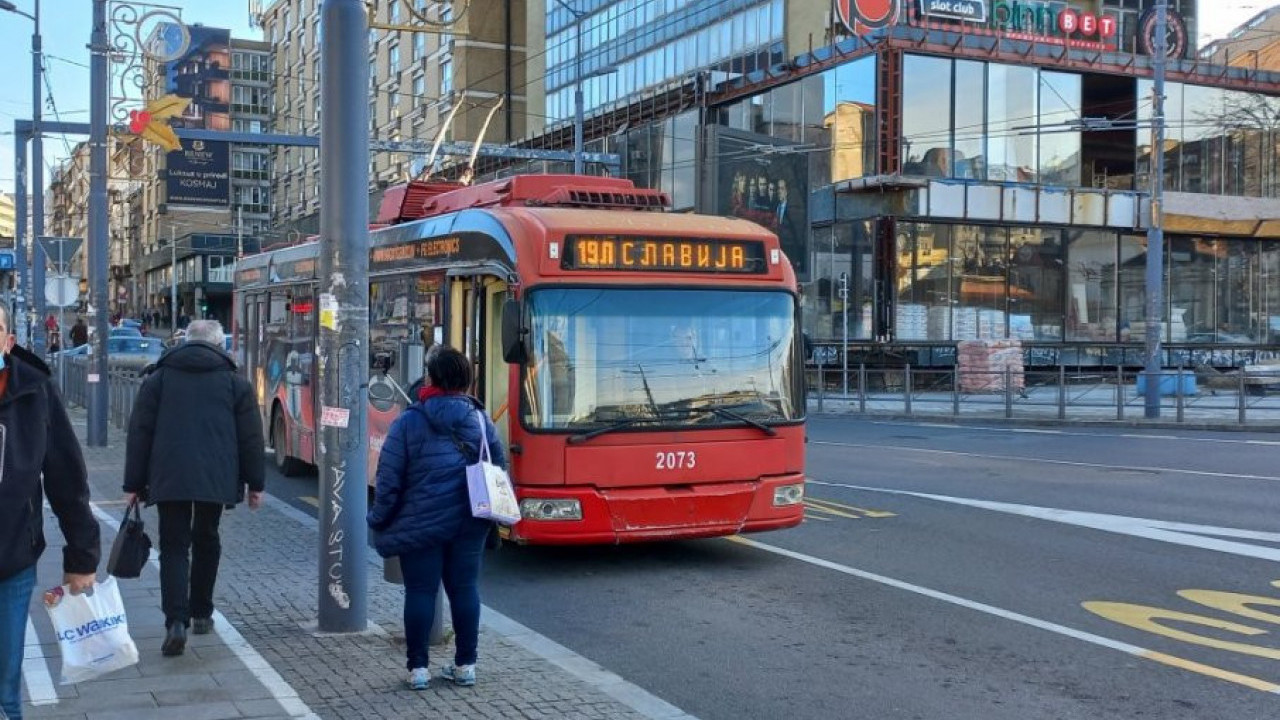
(643, 367)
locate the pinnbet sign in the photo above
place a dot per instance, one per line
(1044, 21)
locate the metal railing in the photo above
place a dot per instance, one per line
(122, 390)
(1188, 395)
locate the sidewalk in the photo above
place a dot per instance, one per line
(264, 659)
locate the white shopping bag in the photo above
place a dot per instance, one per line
(489, 487)
(92, 631)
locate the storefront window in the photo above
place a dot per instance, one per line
(1091, 275)
(980, 262)
(1060, 106)
(1133, 288)
(971, 121)
(1012, 98)
(926, 116)
(951, 282)
(1035, 284)
(849, 114)
(1221, 142)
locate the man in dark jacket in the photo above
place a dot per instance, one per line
(195, 441)
(39, 457)
(79, 333)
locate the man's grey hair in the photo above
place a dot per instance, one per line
(206, 331)
(6, 318)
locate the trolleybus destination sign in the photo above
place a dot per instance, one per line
(622, 252)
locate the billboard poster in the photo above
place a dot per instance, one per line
(198, 174)
(766, 180)
(203, 74)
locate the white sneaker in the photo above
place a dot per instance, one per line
(419, 679)
(464, 675)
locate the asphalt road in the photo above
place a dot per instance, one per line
(948, 572)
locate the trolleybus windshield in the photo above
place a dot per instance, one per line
(609, 358)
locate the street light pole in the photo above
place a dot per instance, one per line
(36, 174)
(343, 329)
(99, 396)
(1155, 235)
(578, 109)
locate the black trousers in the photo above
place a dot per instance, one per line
(189, 553)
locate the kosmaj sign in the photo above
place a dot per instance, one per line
(199, 174)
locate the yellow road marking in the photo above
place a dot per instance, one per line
(1147, 618)
(808, 516)
(1213, 672)
(312, 501)
(829, 511)
(854, 508)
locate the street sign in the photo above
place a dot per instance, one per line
(6, 260)
(62, 291)
(59, 250)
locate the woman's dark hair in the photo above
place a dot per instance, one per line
(448, 369)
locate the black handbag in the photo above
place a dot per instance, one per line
(132, 547)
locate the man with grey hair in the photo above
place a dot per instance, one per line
(39, 458)
(206, 331)
(195, 443)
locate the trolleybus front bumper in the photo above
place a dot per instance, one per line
(640, 514)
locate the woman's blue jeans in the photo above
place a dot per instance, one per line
(15, 598)
(456, 563)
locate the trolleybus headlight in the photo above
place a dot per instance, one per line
(788, 495)
(550, 509)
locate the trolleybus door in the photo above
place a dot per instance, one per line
(475, 328)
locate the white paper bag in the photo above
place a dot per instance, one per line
(92, 632)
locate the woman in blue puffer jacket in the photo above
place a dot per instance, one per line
(421, 511)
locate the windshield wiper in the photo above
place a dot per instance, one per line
(583, 437)
(726, 413)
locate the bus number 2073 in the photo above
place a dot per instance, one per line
(676, 460)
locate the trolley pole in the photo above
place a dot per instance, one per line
(1155, 236)
(343, 362)
(99, 391)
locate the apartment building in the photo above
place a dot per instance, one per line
(68, 212)
(8, 222)
(201, 207)
(1255, 44)
(467, 56)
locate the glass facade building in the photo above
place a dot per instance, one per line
(632, 46)
(935, 183)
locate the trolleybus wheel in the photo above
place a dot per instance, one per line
(288, 466)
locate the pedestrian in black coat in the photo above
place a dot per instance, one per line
(195, 442)
(39, 458)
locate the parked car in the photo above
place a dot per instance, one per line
(133, 353)
(125, 332)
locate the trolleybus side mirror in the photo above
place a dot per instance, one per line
(514, 349)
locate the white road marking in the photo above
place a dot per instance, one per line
(280, 690)
(35, 670)
(962, 602)
(1076, 433)
(1204, 537)
(611, 684)
(1049, 461)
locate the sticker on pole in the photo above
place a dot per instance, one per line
(329, 312)
(94, 377)
(335, 417)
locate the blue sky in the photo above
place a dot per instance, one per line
(65, 30)
(65, 26)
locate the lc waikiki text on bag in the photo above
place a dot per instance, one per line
(92, 631)
(132, 547)
(489, 486)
